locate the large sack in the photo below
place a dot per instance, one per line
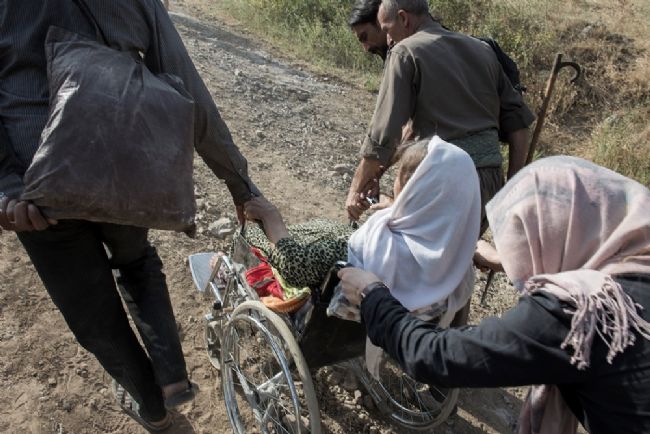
(118, 144)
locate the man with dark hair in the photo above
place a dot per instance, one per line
(445, 83)
(75, 258)
(363, 22)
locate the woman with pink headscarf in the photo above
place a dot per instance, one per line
(574, 238)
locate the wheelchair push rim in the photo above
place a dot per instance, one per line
(406, 402)
(265, 379)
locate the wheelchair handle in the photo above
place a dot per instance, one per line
(338, 265)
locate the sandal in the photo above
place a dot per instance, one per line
(132, 408)
(183, 396)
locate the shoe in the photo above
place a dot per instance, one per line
(132, 409)
(183, 396)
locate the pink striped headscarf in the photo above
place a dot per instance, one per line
(565, 226)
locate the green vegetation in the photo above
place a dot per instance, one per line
(609, 38)
(619, 145)
(315, 30)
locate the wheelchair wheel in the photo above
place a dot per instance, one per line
(406, 402)
(266, 383)
(212, 341)
(232, 293)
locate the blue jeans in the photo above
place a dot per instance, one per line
(75, 260)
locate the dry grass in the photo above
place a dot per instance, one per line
(609, 38)
(622, 143)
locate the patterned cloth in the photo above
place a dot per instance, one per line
(305, 257)
(483, 147)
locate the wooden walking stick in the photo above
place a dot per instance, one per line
(488, 282)
(541, 113)
(541, 116)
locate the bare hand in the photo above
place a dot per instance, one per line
(486, 257)
(19, 216)
(385, 201)
(356, 205)
(353, 280)
(261, 210)
(364, 184)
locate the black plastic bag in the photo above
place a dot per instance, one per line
(118, 144)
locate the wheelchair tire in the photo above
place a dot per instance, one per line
(265, 380)
(406, 402)
(212, 342)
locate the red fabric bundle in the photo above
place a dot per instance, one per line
(261, 278)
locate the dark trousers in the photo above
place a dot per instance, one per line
(491, 180)
(74, 260)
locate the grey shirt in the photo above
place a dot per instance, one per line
(133, 25)
(449, 84)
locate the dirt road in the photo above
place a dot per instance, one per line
(295, 129)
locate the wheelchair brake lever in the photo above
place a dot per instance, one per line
(372, 200)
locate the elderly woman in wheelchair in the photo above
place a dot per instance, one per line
(421, 245)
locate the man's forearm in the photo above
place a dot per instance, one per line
(213, 140)
(364, 183)
(498, 352)
(367, 170)
(518, 146)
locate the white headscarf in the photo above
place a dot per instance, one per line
(421, 246)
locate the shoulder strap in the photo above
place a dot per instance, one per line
(81, 4)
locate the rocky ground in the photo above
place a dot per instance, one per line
(300, 134)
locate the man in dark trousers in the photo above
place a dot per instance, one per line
(75, 259)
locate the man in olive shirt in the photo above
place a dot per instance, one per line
(447, 84)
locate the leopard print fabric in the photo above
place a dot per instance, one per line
(306, 256)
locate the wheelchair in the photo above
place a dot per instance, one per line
(266, 358)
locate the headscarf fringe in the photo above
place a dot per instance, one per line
(610, 313)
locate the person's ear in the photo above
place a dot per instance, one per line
(403, 18)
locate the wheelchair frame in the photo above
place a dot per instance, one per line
(275, 384)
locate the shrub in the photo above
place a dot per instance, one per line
(615, 65)
(622, 143)
(317, 29)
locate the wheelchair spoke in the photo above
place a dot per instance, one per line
(268, 389)
(265, 379)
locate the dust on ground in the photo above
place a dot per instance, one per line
(300, 134)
